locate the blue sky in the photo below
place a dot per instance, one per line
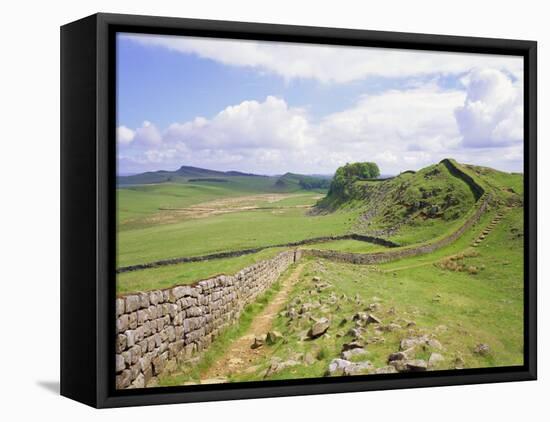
(272, 107)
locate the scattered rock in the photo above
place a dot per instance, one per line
(375, 340)
(279, 366)
(371, 319)
(258, 342)
(319, 328)
(416, 365)
(390, 327)
(357, 368)
(434, 344)
(409, 342)
(352, 345)
(349, 354)
(316, 278)
(373, 307)
(360, 316)
(337, 366)
(355, 333)
(385, 370)
(434, 359)
(482, 349)
(273, 337)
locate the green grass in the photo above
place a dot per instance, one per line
(187, 273)
(233, 231)
(219, 347)
(460, 309)
(134, 203)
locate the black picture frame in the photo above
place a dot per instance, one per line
(88, 205)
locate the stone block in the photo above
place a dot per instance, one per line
(123, 379)
(120, 365)
(121, 343)
(122, 323)
(119, 307)
(132, 303)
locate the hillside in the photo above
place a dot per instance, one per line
(294, 182)
(416, 205)
(288, 182)
(183, 174)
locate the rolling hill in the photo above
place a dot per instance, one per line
(288, 182)
(414, 205)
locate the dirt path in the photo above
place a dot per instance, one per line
(240, 355)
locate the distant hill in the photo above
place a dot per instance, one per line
(293, 181)
(288, 182)
(181, 175)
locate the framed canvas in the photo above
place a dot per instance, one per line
(256, 210)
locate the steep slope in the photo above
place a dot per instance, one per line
(417, 206)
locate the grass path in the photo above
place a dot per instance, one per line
(239, 354)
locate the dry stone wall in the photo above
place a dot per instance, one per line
(158, 329)
(379, 257)
(483, 200)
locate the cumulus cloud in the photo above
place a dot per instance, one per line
(271, 137)
(492, 113)
(124, 135)
(250, 124)
(325, 63)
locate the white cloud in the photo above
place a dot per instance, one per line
(250, 124)
(492, 113)
(325, 63)
(147, 134)
(398, 129)
(124, 135)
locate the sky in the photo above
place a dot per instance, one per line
(270, 108)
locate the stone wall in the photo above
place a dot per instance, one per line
(158, 329)
(483, 200)
(232, 254)
(379, 257)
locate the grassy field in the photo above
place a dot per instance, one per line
(226, 232)
(187, 273)
(459, 296)
(420, 297)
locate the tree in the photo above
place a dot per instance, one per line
(345, 176)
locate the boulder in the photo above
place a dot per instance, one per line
(372, 319)
(279, 366)
(258, 342)
(337, 366)
(409, 342)
(385, 370)
(273, 337)
(349, 354)
(435, 359)
(416, 365)
(352, 345)
(358, 368)
(355, 333)
(319, 328)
